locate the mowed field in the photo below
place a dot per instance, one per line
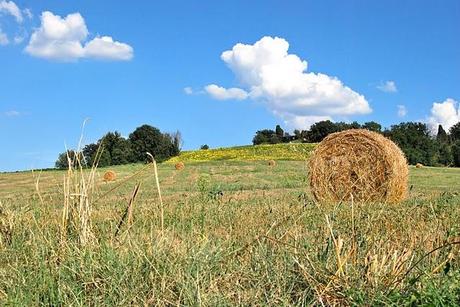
(234, 233)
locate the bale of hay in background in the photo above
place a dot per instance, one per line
(358, 163)
(271, 163)
(110, 176)
(179, 166)
(419, 165)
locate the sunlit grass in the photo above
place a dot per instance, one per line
(235, 233)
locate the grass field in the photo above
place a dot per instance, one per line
(235, 233)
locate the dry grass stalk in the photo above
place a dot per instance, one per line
(159, 191)
(128, 214)
(360, 164)
(78, 189)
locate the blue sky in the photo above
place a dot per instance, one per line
(123, 64)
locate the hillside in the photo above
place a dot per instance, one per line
(292, 151)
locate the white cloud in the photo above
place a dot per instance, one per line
(269, 74)
(28, 13)
(105, 48)
(445, 113)
(12, 113)
(3, 38)
(63, 39)
(10, 8)
(221, 93)
(19, 39)
(388, 87)
(402, 110)
(188, 90)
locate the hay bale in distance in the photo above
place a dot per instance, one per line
(179, 166)
(271, 163)
(419, 165)
(110, 176)
(358, 163)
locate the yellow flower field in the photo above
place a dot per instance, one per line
(293, 151)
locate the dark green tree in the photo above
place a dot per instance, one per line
(320, 130)
(454, 132)
(70, 155)
(456, 153)
(279, 132)
(415, 141)
(442, 136)
(89, 152)
(204, 147)
(149, 139)
(445, 154)
(266, 136)
(372, 126)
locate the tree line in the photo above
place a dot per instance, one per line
(114, 149)
(414, 139)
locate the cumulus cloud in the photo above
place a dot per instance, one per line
(63, 39)
(221, 93)
(106, 48)
(446, 113)
(402, 110)
(10, 8)
(271, 75)
(388, 87)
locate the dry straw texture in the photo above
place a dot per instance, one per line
(358, 164)
(271, 163)
(179, 166)
(419, 165)
(110, 176)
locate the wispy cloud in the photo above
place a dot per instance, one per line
(10, 8)
(402, 110)
(12, 113)
(388, 87)
(188, 90)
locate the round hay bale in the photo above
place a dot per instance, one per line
(271, 163)
(110, 176)
(358, 163)
(419, 165)
(179, 166)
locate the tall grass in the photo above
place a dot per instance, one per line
(254, 246)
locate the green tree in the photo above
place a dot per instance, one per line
(279, 132)
(442, 136)
(70, 155)
(320, 130)
(456, 153)
(415, 141)
(266, 136)
(149, 139)
(372, 126)
(445, 154)
(204, 147)
(454, 132)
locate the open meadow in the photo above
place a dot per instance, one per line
(228, 233)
